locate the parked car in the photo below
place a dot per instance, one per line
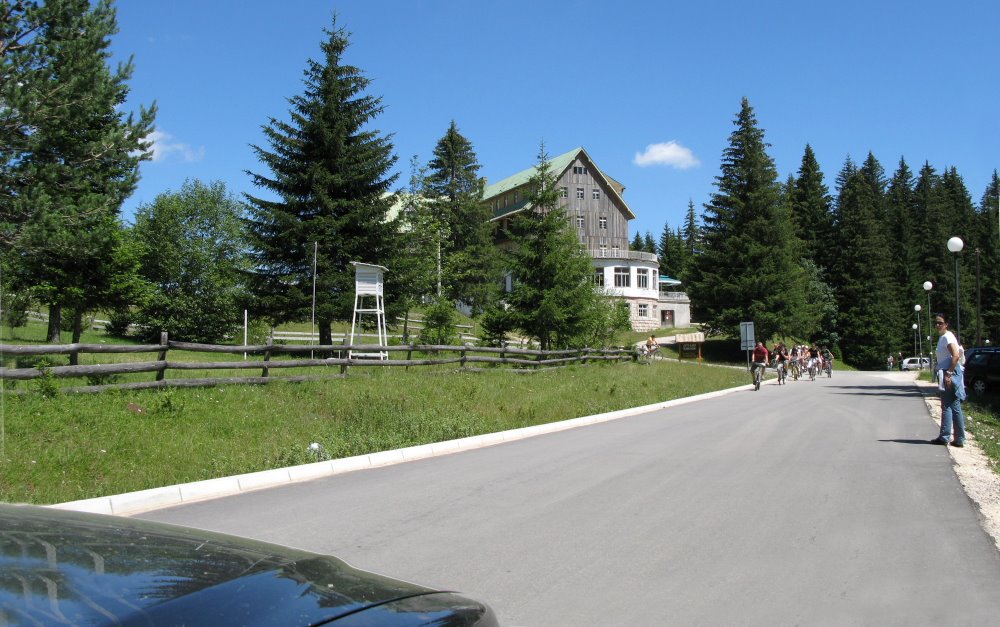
(982, 369)
(916, 363)
(62, 567)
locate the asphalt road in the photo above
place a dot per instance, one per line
(815, 503)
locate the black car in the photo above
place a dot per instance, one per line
(982, 369)
(61, 567)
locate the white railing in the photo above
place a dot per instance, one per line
(622, 254)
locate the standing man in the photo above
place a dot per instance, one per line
(951, 386)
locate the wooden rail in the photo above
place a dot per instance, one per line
(314, 356)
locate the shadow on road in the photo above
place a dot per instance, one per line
(879, 390)
(929, 442)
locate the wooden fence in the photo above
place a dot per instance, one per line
(261, 358)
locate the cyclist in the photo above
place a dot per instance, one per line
(794, 362)
(759, 362)
(813, 362)
(780, 354)
(827, 361)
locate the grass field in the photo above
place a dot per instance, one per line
(70, 447)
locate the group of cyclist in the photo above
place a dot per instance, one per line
(800, 359)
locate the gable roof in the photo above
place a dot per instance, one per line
(557, 165)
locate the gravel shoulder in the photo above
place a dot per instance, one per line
(981, 483)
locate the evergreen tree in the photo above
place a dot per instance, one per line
(988, 244)
(470, 261)
(64, 181)
(861, 273)
(903, 246)
(637, 243)
(193, 258)
(553, 298)
(648, 243)
(749, 270)
(420, 238)
(692, 232)
(811, 209)
(669, 252)
(331, 176)
(960, 220)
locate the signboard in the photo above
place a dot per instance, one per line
(747, 341)
(689, 350)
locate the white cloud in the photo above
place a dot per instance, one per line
(670, 153)
(164, 146)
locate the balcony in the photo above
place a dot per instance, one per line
(622, 254)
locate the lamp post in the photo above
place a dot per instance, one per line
(915, 344)
(956, 245)
(979, 303)
(928, 286)
(920, 354)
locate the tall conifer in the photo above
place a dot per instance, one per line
(329, 182)
(749, 269)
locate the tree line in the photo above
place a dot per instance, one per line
(843, 268)
(195, 258)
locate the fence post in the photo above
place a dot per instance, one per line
(461, 361)
(160, 374)
(267, 358)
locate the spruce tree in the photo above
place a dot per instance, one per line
(749, 270)
(648, 243)
(329, 175)
(869, 323)
(901, 230)
(669, 252)
(471, 271)
(811, 209)
(637, 243)
(553, 298)
(78, 163)
(988, 243)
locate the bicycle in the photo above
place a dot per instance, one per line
(828, 368)
(812, 369)
(796, 369)
(758, 374)
(779, 367)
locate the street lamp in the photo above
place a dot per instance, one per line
(915, 344)
(956, 245)
(928, 286)
(916, 312)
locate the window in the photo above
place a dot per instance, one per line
(516, 195)
(642, 278)
(603, 248)
(622, 277)
(602, 222)
(564, 192)
(579, 169)
(643, 310)
(579, 222)
(595, 194)
(614, 251)
(579, 193)
(599, 277)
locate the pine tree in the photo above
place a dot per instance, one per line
(470, 260)
(749, 270)
(648, 243)
(669, 252)
(811, 209)
(553, 298)
(76, 166)
(637, 243)
(331, 176)
(861, 273)
(900, 229)
(988, 243)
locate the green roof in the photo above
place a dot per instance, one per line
(557, 165)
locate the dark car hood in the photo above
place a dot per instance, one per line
(68, 567)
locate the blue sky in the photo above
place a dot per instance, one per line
(649, 88)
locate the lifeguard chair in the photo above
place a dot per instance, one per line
(368, 300)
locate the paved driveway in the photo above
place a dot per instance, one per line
(811, 503)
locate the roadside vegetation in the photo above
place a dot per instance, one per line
(70, 447)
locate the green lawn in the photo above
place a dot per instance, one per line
(70, 447)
